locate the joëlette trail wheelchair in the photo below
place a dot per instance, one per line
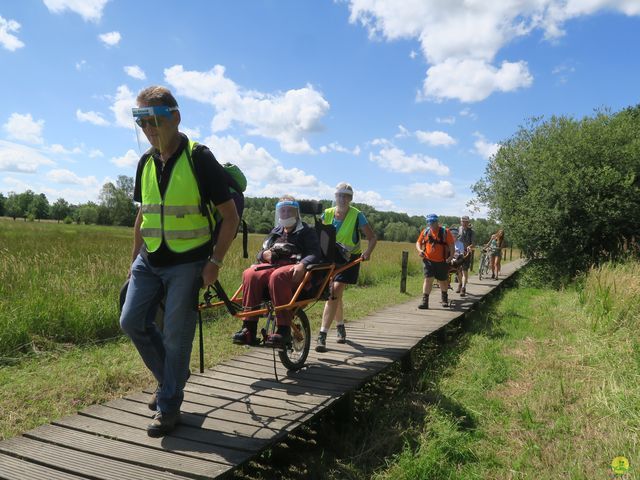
(315, 286)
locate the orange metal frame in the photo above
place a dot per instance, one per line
(294, 303)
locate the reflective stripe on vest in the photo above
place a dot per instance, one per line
(345, 233)
(176, 217)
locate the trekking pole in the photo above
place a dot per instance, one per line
(201, 342)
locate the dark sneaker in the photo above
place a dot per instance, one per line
(445, 299)
(342, 333)
(425, 302)
(163, 423)
(153, 401)
(244, 337)
(321, 342)
(463, 292)
(459, 289)
(280, 339)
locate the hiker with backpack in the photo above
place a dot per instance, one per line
(435, 245)
(467, 236)
(350, 223)
(280, 268)
(183, 196)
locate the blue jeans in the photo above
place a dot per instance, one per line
(166, 354)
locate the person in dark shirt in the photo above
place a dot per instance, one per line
(174, 252)
(282, 262)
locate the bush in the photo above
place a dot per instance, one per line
(68, 220)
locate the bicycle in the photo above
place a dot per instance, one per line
(484, 266)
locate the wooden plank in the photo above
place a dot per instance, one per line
(127, 452)
(138, 436)
(219, 432)
(80, 463)
(190, 411)
(12, 468)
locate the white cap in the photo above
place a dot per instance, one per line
(344, 187)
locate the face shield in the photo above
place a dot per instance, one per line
(149, 123)
(287, 213)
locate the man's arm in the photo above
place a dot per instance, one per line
(225, 238)
(371, 241)
(137, 236)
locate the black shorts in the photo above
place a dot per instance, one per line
(466, 265)
(440, 270)
(350, 275)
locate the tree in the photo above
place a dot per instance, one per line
(60, 209)
(39, 206)
(24, 201)
(118, 202)
(2, 200)
(88, 213)
(12, 206)
(567, 189)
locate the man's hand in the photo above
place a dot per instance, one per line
(365, 256)
(298, 272)
(209, 274)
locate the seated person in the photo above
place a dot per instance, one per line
(287, 250)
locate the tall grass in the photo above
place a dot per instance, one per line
(59, 283)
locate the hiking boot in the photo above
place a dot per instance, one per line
(425, 302)
(153, 401)
(162, 424)
(463, 292)
(445, 299)
(459, 289)
(280, 339)
(341, 333)
(321, 342)
(245, 336)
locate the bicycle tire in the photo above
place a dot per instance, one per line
(296, 352)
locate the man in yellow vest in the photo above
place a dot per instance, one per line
(350, 223)
(174, 251)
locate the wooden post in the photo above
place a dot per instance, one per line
(511, 253)
(406, 362)
(403, 277)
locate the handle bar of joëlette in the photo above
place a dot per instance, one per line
(233, 303)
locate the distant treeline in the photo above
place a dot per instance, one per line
(116, 207)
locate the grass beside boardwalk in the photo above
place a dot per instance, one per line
(59, 319)
(536, 384)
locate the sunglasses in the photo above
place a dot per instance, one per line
(152, 116)
(150, 121)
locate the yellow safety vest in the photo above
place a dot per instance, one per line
(345, 232)
(176, 217)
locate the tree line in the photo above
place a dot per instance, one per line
(568, 190)
(116, 207)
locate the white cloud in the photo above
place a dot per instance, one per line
(441, 189)
(192, 133)
(473, 80)
(123, 102)
(396, 160)
(128, 160)
(110, 39)
(435, 138)
(91, 117)
(20, 158)
(68, 177)
(460, 38)
(402, 132)
(374, 199)
(336, 147)
(95, 153)
(448, 120)
(7, 39)
(56, 148)
(484, 148)
(286, 117)
(413, 54)
(80, 65)
(88, 9)
(24, 128)
(135, 71)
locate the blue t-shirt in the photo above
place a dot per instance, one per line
(362, 221)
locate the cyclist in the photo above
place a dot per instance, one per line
(287, 250)
(350, 223)
(468, 238)
(435, 245)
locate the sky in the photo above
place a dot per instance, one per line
(404, 99)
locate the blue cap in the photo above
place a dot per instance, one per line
(432, 218)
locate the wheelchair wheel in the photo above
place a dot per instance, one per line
(296, 352)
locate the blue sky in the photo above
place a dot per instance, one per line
(406, 100)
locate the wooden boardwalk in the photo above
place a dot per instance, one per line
(231, 412)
